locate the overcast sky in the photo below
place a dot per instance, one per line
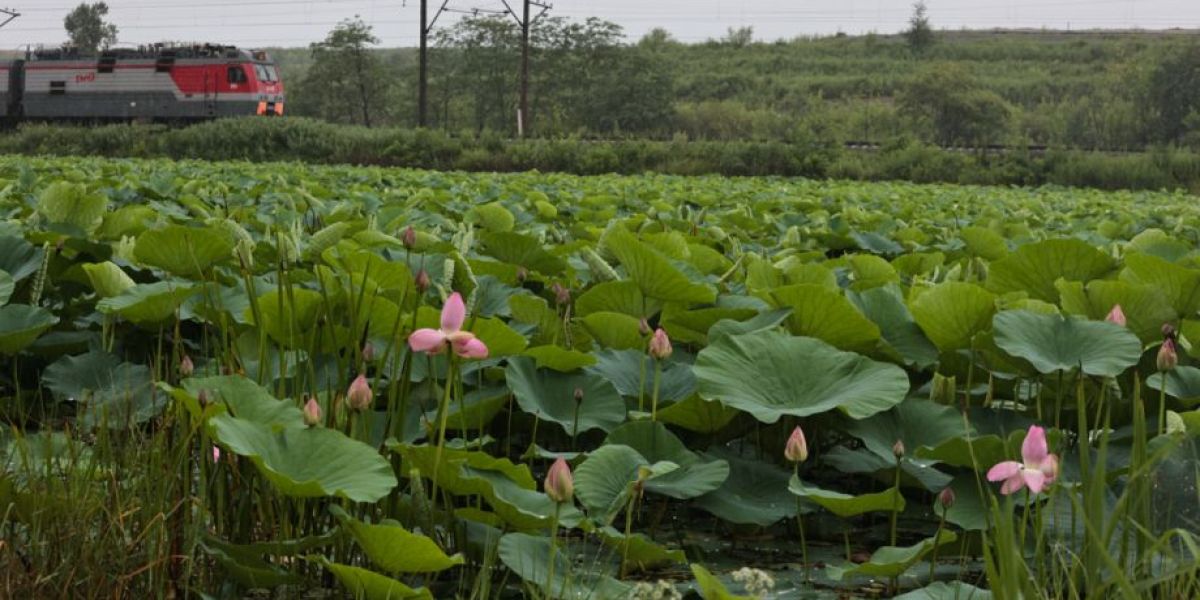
(298, 22)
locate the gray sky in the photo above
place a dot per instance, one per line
(298, 22)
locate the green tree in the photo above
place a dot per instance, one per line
(950, 104)
(346, 82)
(87, 29)
(919, 33)
(1173, 94)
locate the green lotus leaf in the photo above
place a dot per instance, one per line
(1145, 306)
(953, 312)
(308, 462)
(478, 408)
(691, 326)
(918, 263)
(72, 205)
(326, 238)
(364, 584)
(1182, 383)
(984, 243)
(508, 488)
(654, 273)
(867, 271)
(764, 320)
(845, 505)
(1034, 268)
(614, 330)
(246, 400)
(493, 217)
(288, 316)
(550, 396)
(1179, 285)
(19, 258)
(528, 556)
(247, 566)
(604, 481)
(7, 285)
(795, 376)
(522, 251)
(941, 590)
(892, 561)
(642, 552)
(970, 511)
(695, 476)
(182, 250)
(1052, 343)
(808, 272)
(394, 548)
(623, 297)
(860, 460)
(148, 303)
(915, 421)
(1156, 242)
(625, 368)
(368, 274)
(110, 392)
(885, 307)
(559, 358)
(107, 279)
(710, 587)
(21, 324)
(827, 315)
(755, 493)
(697, 414)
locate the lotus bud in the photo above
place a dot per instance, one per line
(312, 412)
(660, 345)
(186, 366)
(560, 484)
(1167, 358)
(1116, 315)
(359, 396)
(898, 449)
(216, 454)
(796, 449)
(368, 352)
(409, 238)
(202, 398)
(578, 395)
(946, 498)
(562, 295)
(422, 281)
(643, 326)
(1168, 331)
(522, 274)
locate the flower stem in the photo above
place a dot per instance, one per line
(800, 527)
(936, 537)
(553, 550)
(443, 415)
(654, 399)
(628, 531)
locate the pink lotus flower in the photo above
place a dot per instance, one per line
(359, 396)
(216, 454)
(1116, 315)
(796, 449)
(434, 341)
(560, 484)
(1038, 470)
(660, 345)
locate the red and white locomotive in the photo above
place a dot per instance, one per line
(150, 83)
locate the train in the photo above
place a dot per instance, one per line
(156, 83)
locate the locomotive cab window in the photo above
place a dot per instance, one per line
(237, 75)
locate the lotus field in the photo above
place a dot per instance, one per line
(225, 380)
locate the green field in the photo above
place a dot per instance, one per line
(221, 378)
